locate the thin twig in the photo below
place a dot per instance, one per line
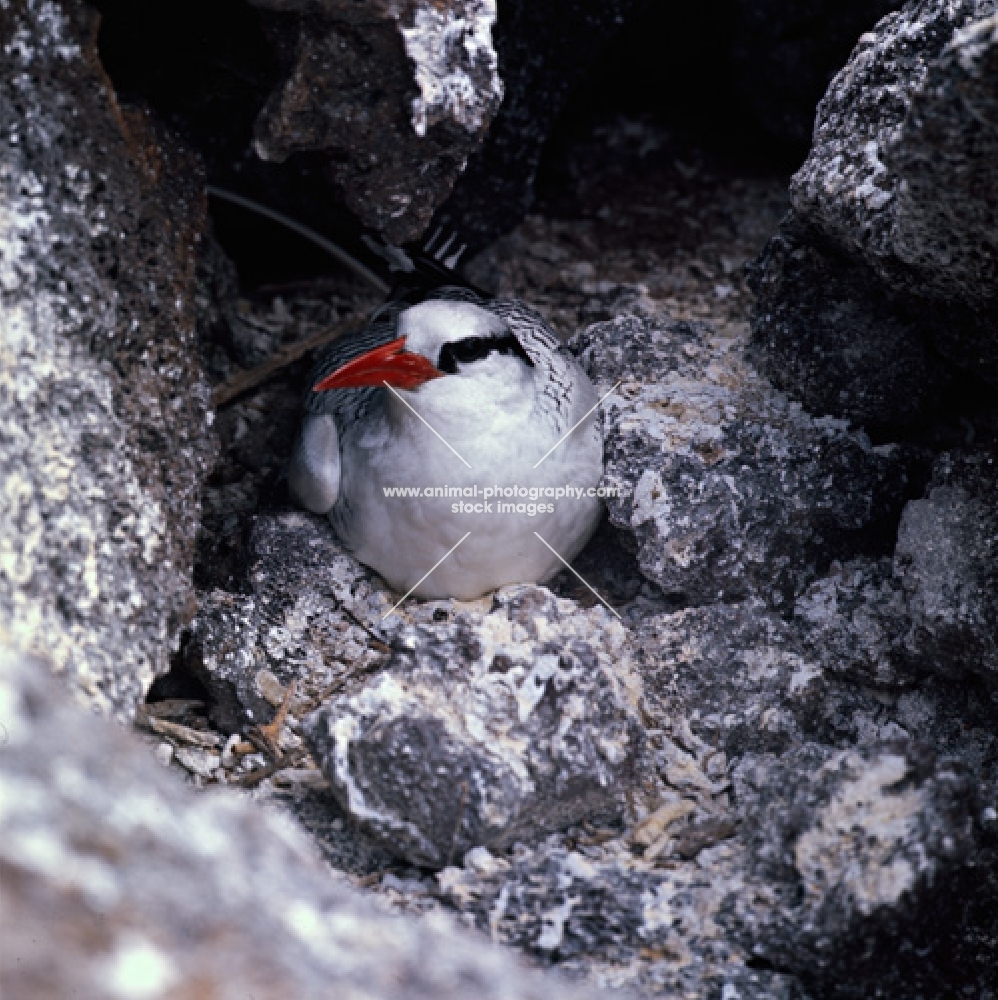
(244, 381)
(346, 258)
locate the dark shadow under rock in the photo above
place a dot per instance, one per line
(828, 337)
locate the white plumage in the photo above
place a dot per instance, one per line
(503, 393)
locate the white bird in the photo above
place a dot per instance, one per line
(481, 391)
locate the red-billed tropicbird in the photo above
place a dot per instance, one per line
(481, 391)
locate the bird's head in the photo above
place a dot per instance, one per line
(438, 338)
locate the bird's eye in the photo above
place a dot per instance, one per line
(476, 349)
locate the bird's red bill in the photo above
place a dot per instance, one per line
(389, 363)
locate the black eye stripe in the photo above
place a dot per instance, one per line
(476, 348)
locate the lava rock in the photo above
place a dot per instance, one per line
(392, 97)
(855, 849)
(311, 614)
(947, 559)
(729, 488)
(105, 412)
(825, 336)
(857, 622)
(153, 890)
(654, 929)
(820, 857)
(745, 680)
(487, 731)
(903, 169)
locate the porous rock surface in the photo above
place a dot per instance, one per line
(483, 724)
(729, 488)
(493, 729)
(916, 100)
(312, 615)
(105, 436)
(849, 858)
(901, 181)
(762, 872)
(947, 561)
(392, 97)
(151, 890)
(786, 811)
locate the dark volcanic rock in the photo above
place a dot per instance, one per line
(105, 438)
(486, 731)
(856, 622)
(839, 345)
(855, 849)
(947, 559)
(312, 615)
(151, 890)
(393, 97)
(903, 171)
(728, 487)
(744, 679)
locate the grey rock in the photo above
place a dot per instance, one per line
(607, 911)
(312, 615)
(729, 488)
(857, 622)
(491, 729)
(744, 680)
(855, 849)
(947, 559)
(106, 427)
(152, 890)
(903, 169)
(390, 98)
(830, 338)
(833, 863)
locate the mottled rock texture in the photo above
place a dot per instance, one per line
(827, 336)
(105, 435)
(490, 730)
(850, 859)
(393, 96)
(856, 622)
(311, 614)
(947, 560)
(154, 891)
(816, 873)
(900, 181)
(729, 488)
(915, 99)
